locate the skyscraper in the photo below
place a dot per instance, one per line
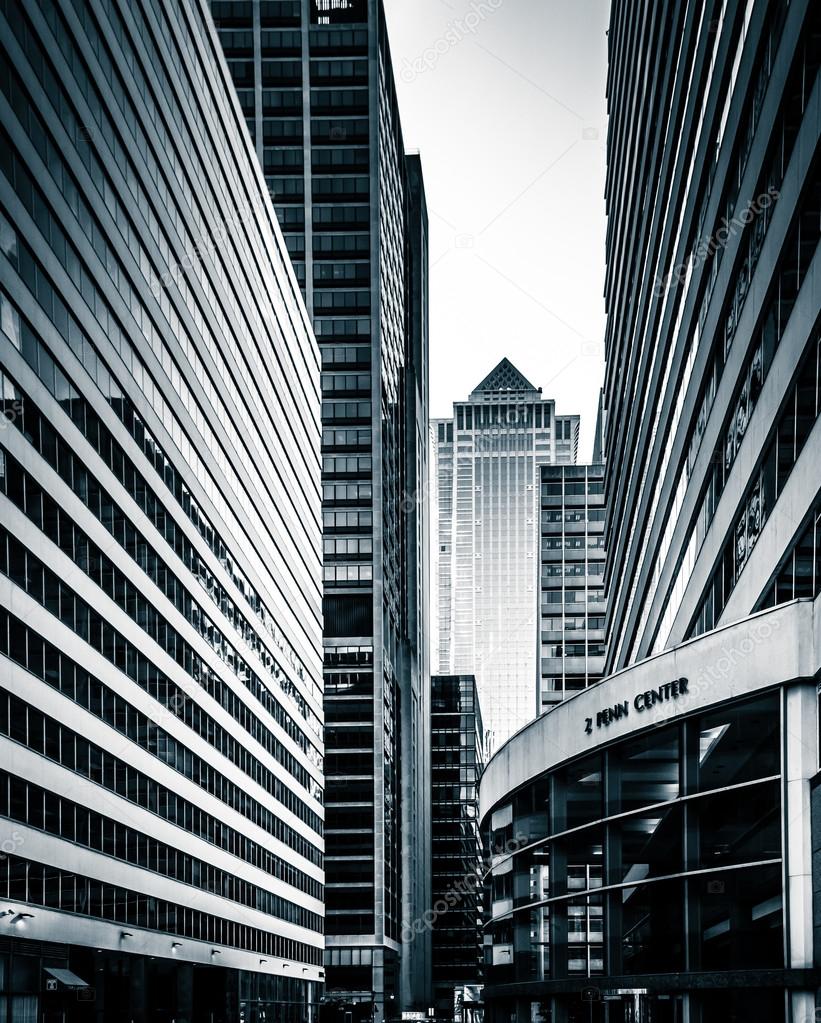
(315, 83)
(487, 489)
(711, 390)
(457, 758)
(573, 605)
(160, 550)
(416, 976)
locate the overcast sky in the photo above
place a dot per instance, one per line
(505, 101)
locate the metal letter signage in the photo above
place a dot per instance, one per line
(641, 702)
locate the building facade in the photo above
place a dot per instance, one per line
(572, 598)
(457, 759)
(315, 84)
(416, 978)
(487, 460)
(712, 290)
(652, 839)
(160, 551)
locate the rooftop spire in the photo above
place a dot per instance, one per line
(504, 377)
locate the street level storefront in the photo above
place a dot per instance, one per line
(652, 839)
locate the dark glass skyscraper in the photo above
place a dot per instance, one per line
(161, 744)
(457, 758)
(315, 83)
(712, 388)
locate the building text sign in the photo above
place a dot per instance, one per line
(641, 702)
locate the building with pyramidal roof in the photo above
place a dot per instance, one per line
(486, 558)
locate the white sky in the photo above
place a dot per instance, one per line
(505, 101)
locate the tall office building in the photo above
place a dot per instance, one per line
(160, 550)
(712, 291)
(487, 460)
(457, 759)
(573, 606)
(315, 83)
(416, 975)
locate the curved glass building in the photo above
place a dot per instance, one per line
(652, 839)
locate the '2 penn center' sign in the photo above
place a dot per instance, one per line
(641, 702)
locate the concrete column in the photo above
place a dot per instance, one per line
(692, 839)
(801, 1007)
(800, 759)
(800, 763)
(613, 865)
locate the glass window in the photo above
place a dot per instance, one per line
(738, 829)
(738, 743)
(584, 856)
(645, 771)
(652, 927)
(582, 791)
(740, 918)
(647, 846)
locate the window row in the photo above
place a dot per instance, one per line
(731, 920)
(36, 807)
(573, 542)
(791, 431)
(21, 487)
(40, 884)
(51, 445)
(48, 737)
(358, 465)
(76, 127)
(336, 521)
(350, 382)
(799, 574)
(338, 409)
(574, 515)
(347, 575)
(348, 546)
(44, 586)
(96, 300)
(592, 595)
(28, 649)
(358, 493)
(591, 649)
(732, 745)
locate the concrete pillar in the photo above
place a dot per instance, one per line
(801, 1007)
(800, 764)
